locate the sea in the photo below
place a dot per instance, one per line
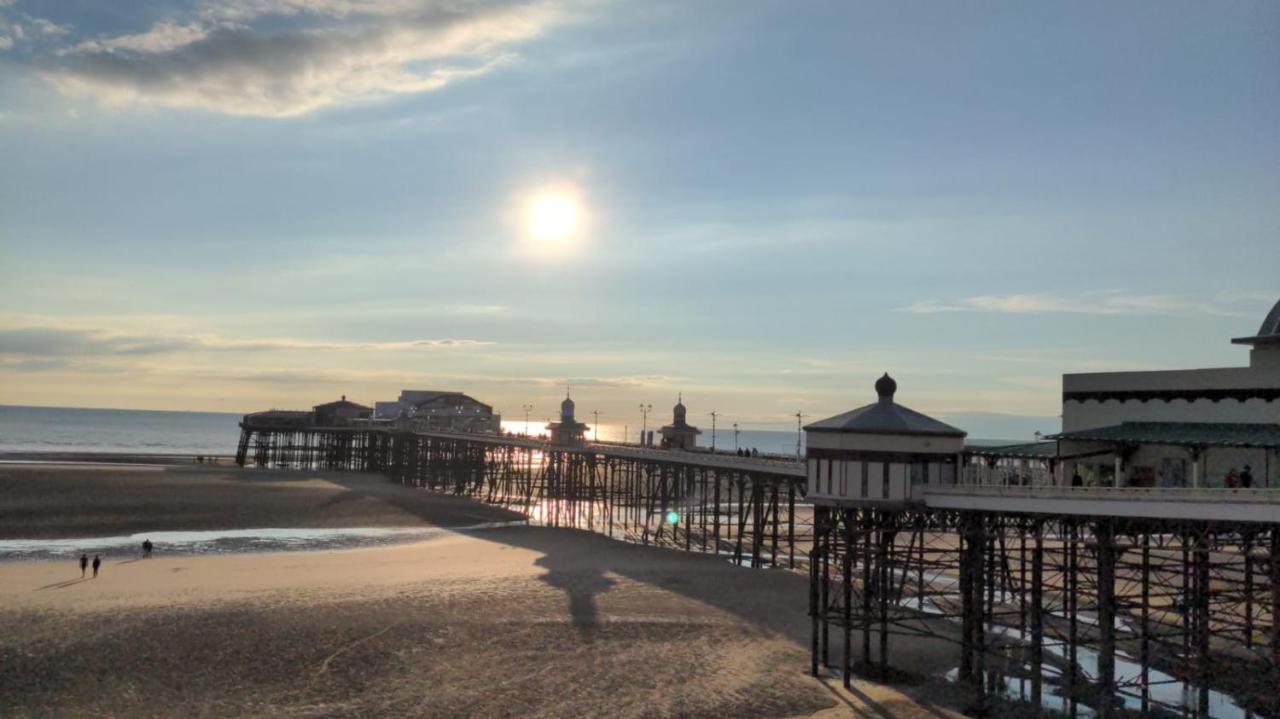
(120, 431)
(132, 431)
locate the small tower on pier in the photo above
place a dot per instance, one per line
(879, 454)
(679, 434)
(568, 431)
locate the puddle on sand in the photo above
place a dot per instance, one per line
(227, 541)
(1165, 692)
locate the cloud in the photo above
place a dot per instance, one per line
(1095, 303)
(47, 343)
(14, 25)
(330, 52)
(163, 37)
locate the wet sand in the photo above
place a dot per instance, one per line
(518, 621)
(58, 501)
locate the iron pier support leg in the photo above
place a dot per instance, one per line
(966, 598)
(826, 588)
(1105, 536)
(846, 575)
(1072, 606)
(1144, 657)
(1275, 601)
(1037, 616)
(882, 590)
(868, 585)
(819, 521)
(1202, 621)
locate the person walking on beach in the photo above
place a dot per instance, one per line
(84, 564)
(97, 562)
(146, 549)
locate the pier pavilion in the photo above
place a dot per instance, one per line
(568, 431)
(679, 434)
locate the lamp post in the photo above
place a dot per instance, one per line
(713, 432)
(595, 428)
(735, 436)
(527, 409)
(645, 409)
(799, 433)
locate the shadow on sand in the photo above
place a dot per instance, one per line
(65, 584)
(578, 563)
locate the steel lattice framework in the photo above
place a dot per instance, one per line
(1083, 614)
(749, 511)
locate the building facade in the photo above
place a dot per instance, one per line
(438, 411)
(1176, 428)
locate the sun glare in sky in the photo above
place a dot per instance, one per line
(553, 216)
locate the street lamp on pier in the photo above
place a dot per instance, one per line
(799, 434)
(645, 409)
(527, 409)
(713, 432)
(595, 428)
(735, 436)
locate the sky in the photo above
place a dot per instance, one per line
(242, 204)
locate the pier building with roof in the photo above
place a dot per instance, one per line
(679, 434)
(568, 431)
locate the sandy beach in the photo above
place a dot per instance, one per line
(98, 500)
(516, 621)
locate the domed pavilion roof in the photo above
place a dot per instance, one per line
(885, 417)
(1268, 333)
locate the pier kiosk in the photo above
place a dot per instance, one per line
(879, 454)
(568, 431)
(679, 434)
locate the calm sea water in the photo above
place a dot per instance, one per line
(128, 431)
(125, 431)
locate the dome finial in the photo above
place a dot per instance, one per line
(886, 387)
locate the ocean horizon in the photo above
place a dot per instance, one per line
(26, 428)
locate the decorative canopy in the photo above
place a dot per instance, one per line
(1025, 450)
(1187, 434)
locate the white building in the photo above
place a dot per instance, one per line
(1176, 428)
(434, 410)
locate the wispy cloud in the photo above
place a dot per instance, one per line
(17, 27)
(281, 58)
(163, 37)
(51, 342)
(1094, 303)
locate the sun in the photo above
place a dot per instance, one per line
(553, 216)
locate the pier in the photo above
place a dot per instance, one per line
(749, 509)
